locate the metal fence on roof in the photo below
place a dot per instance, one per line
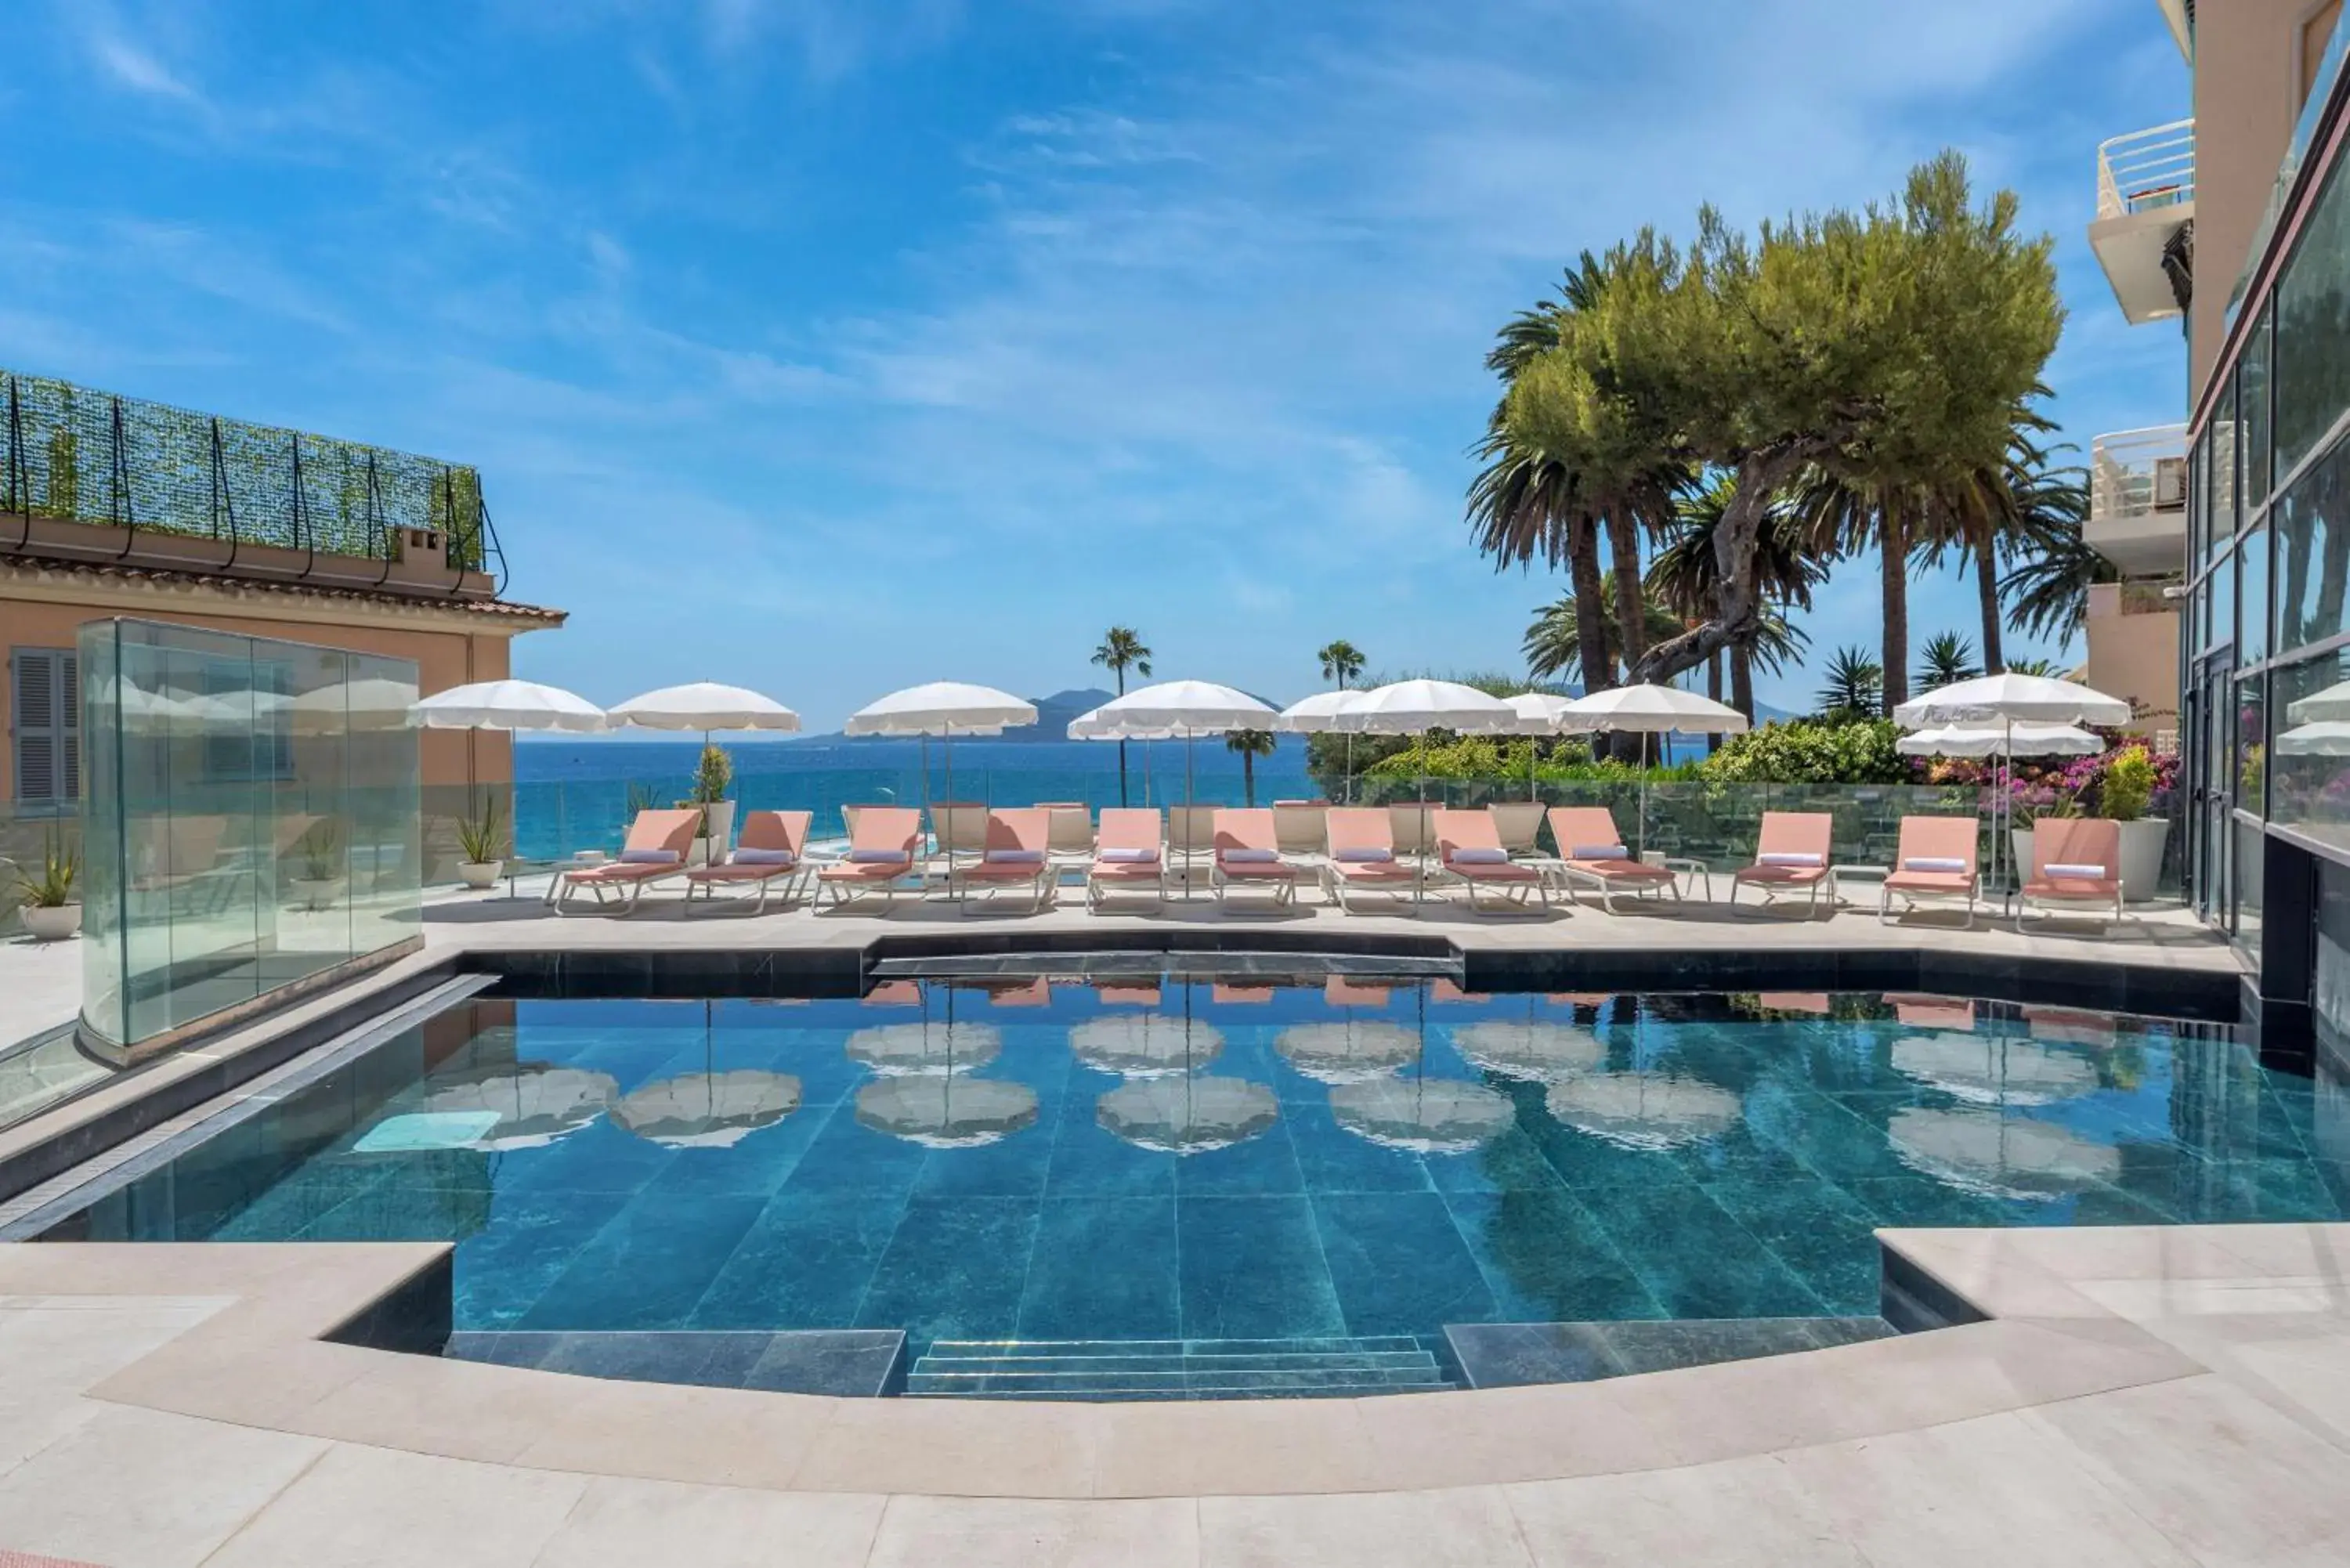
(75, 453)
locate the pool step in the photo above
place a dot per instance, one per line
(1176, 1369)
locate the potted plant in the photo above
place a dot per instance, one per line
(319, 881)
(711, 779)
(50, 912)
(2126, 791)
(482, 840)
(2027, 803)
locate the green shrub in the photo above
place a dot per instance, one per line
(2128, 785)
(1812, 751)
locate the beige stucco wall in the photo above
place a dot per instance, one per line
(2247, 94)
(444, 658)
(2134, 656)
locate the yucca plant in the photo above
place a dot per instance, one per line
(1854, 686)
(1947, 658)
(52, 887)
(482, 838)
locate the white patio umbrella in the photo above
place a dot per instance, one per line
(1416, 707)
(1187, 1114)
(1651, 709)
(704, 705)
(945, 709)
(2015, 740)
(370, 702)
(1172, 708)
(1318, 715)
(2005, 701)
(510, 705)
(1539, 713)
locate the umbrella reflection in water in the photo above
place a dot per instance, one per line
(946, 1110)
(708, 1110)
(1532, 1052)
(1990, 1070)
(1145, 1045)
(536, 1104)
(1650, 1112)
(1995, 1156)
(1188, 1114)
(1421, 1114)
(925, 1049)
(1348, 1053)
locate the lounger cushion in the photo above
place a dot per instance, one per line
(1481, 855)
(1123, 857)
(1931, 881)
(1367, 855)
(879, 857)
(1251, 856)
(1933, 862)
(1788, 858)
(766, 857)
(650, 857)
(1016, 857)
(2096, 873)
(1599, 852)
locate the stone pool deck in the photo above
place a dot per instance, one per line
(2163, 1396)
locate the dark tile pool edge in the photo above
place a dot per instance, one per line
(79, 1143)
(88, 1180)
(414, 1317)
(1914, 1301)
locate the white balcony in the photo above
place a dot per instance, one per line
(2137, 500)
(2146, 214)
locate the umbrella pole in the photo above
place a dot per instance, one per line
(1190, 820)
(946, 742)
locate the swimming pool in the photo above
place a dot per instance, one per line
(1167, 1162)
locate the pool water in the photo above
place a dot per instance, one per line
(1175, 1161)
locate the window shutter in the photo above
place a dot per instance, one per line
(46, 726)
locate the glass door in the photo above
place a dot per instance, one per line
(2213, 797)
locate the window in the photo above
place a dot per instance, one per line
(2252, 385)
(2312, 553)
(2224, 438)
(2307, 762)
(2250, 790)
(2252, 594)
(2198, 505)
(45, 726)
(2222, 582)
(2312, 350)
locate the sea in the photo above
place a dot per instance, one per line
(579, 794)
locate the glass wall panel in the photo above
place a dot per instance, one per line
(2199, 500)
(2223, 439)
(2251, 744)
(2312, 524)
(2249, 848)
(2252, 598)
(2308, 759)
(2222, 628)
(2253, 382)
(2311, 348)
(250, 831)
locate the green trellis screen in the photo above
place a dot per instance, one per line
(72, 452)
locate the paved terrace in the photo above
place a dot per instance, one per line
(2168, 1397)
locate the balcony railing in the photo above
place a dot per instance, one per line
(2147, 170)
(78, 456)
(2138, 473)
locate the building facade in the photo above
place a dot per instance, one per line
(2261, 266)
(113, 506)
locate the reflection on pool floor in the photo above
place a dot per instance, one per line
(1193, 1162)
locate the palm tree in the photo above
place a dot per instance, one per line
(1855, 685)
(1989, 513)
(1121, 649)
(2047, 592)
(1341, 661)
(1949, 657)
(1554, 639)
(1251, 745)
(1860, 506)
(1685, 577)
(2046, 667)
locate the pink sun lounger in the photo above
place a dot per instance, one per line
(654, 851)
(1468, 849)
(771, 850)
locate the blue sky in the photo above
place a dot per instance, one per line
(826, 345)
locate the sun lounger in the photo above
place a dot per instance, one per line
(1409, 820)
(1362, 858)
(958, 833)
(882, 852)
(1071, 839)
(654, 851)
(1519, 822)
(1469, 850)
(1591, 854)
(1790, 857)
(1934, 859)
(769, 850)
(1248, 853)
(1016, 856)
(2075, 868)
(1298, 830)
(1191, 838)
(1129, 854)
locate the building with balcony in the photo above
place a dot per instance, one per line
(2144, 233)
(113, 506)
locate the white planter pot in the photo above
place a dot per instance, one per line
(51, 922)
(479, 874)
(2142, 843)
(2020, 840)
(712, 850)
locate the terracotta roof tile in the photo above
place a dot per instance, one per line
(161, 576)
